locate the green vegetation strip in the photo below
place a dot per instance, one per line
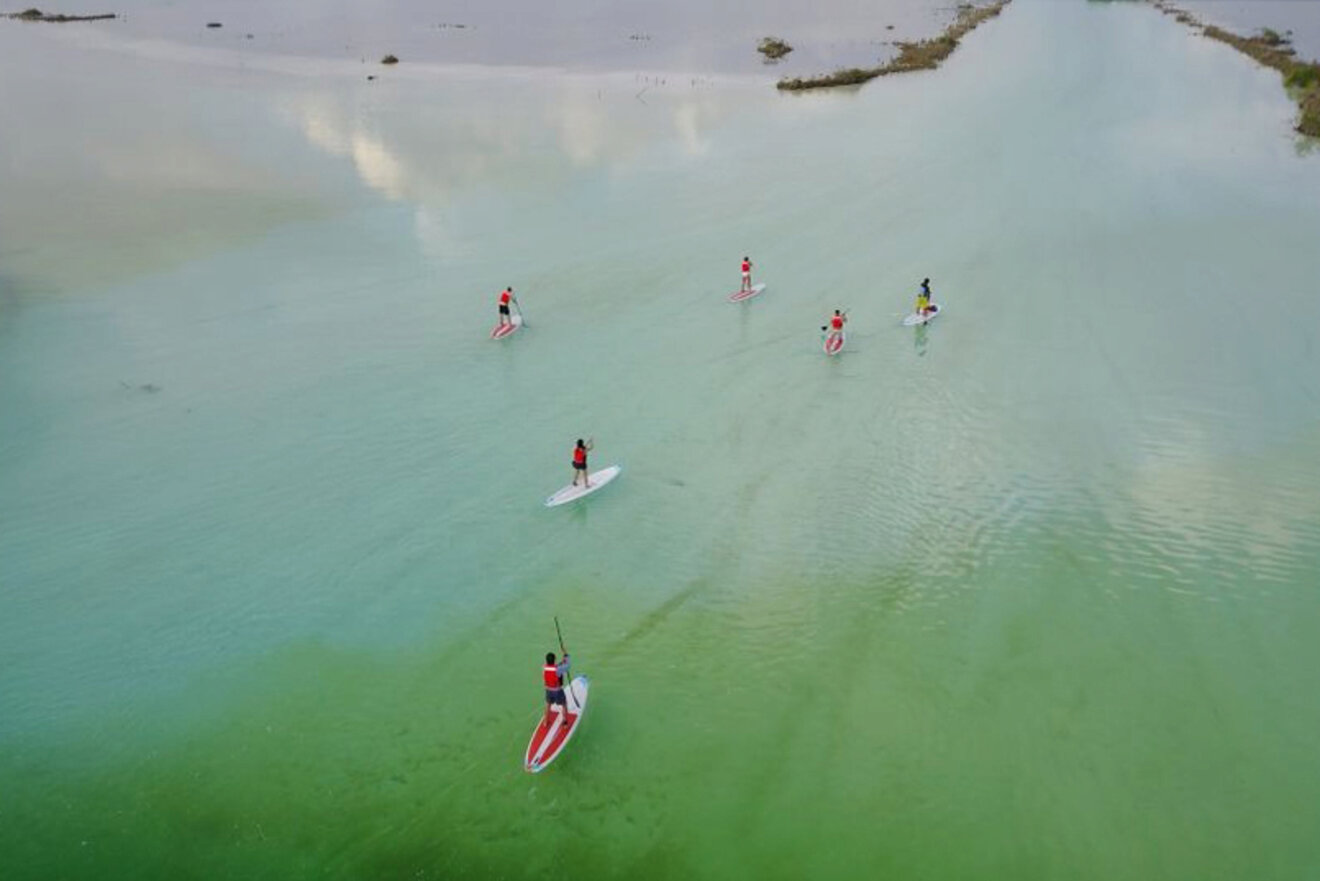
(37, 15)
(773, 48)
(921, 55)
(1301, 78)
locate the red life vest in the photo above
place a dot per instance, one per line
(837, 322)
(747, 266)
(551, 675)
(580, 455)
(504, 298)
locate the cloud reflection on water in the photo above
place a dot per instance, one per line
(527, 137)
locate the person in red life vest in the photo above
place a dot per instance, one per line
(505, 296)
(837, 321)
(580, 462)
(746, 275)
(554, 676)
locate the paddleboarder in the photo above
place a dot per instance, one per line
(923, 298)
(580, 461)
(505, 296)
(554, 675)
(746, 274)
(837, 321)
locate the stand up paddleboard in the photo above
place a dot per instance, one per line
(548, 741)
(739, 296)
(834, 343)
(500, 331)
(918, 318)
(572, 493)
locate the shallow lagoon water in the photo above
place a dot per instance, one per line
(1028, 593)
(1298, 19)
(713, 37)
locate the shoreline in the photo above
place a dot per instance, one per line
(912, 55)
(1301, 79)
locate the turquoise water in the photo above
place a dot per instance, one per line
(1028, 593)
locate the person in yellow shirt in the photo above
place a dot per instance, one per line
(923, 298)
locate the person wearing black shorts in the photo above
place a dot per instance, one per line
(552, 676)
(580, 462)
(505, 296)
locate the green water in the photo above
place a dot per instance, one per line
(1029, 593)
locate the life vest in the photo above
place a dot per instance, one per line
(747, 266)
(550, 673)
(504, 298)
(837, 322)
(580, 455)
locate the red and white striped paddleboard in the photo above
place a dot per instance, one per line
(739, 296)
(500, 331)
(548, 741)
(834, 343)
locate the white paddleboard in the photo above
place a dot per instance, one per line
(500, 331)
(834, 343)
(548, 741)
(917, 318)
(739, 296)
(572, 493)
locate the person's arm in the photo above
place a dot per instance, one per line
(563, 668)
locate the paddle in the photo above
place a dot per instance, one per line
(564, 652)
(521, 317)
